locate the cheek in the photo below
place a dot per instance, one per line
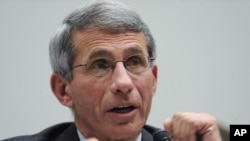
(145, 87)
(88, 95)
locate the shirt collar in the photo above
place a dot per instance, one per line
(82, 138)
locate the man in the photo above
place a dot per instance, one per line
(103, 69)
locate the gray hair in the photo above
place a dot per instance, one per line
(109, 16)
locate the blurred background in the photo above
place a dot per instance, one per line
(202, 51)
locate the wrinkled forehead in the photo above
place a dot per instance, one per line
(96, 43)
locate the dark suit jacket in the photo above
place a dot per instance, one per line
(64, 132)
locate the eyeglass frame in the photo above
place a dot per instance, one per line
(114, 62)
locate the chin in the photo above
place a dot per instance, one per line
(125, 132)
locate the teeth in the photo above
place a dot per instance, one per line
(123, 106)
(122, 109)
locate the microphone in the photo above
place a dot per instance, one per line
(157, 133)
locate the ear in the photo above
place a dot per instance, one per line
(155, 75)
(58, 85)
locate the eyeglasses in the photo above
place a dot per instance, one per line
(102, 66)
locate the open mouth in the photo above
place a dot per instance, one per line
(122, 109)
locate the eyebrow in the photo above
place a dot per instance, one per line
(134, 50)
(96, 53)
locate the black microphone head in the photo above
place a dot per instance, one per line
(157, 133)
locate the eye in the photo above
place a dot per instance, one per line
(99, 64)
(136, 60)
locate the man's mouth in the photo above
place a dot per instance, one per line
(122, 109)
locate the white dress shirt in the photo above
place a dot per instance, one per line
(82, 138)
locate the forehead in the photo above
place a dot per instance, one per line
(93, 43)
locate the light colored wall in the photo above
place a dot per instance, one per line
(203, 55)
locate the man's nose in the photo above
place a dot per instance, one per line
(121, 80)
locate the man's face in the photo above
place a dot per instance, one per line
(116, 105)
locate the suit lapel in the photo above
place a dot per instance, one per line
(146, 136)
(69, 134)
